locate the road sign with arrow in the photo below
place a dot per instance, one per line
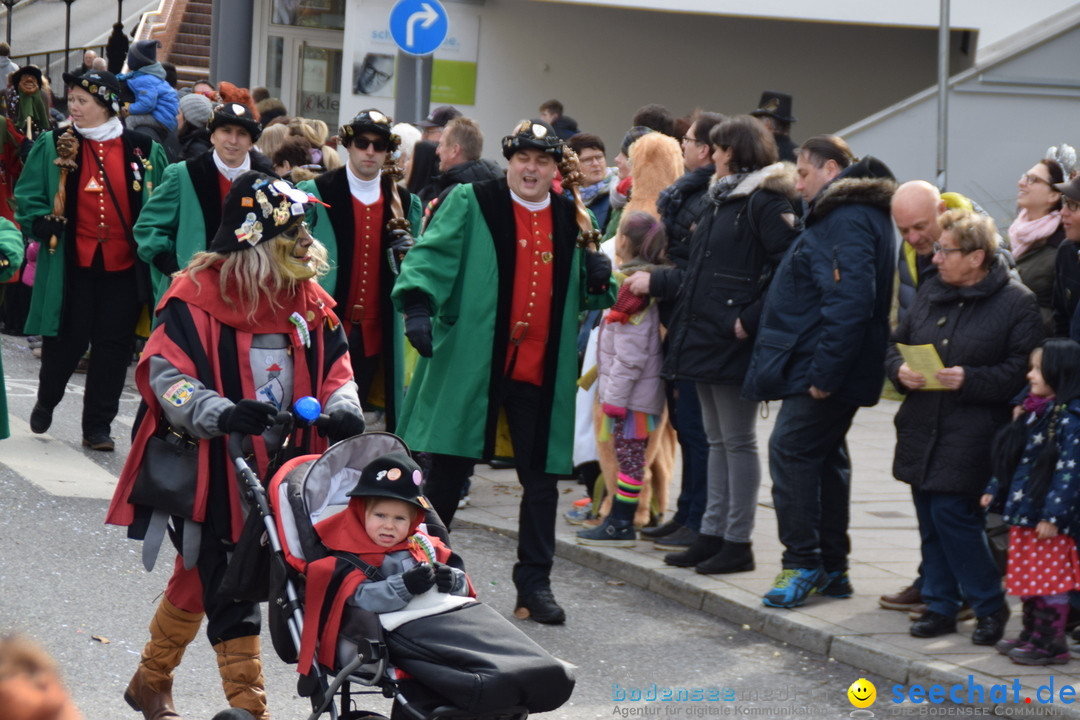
(418, 26)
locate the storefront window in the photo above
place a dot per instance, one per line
(322, 14)
(275, 51)
(320, 83)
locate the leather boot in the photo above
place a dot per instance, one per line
(1030, 606)
(150, 689)
(733, 557)
(703, 548)
(241, 675)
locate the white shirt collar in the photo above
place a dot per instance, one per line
(531, 206)
(366, 191)
(232, 173)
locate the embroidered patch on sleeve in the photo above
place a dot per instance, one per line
(180, 392)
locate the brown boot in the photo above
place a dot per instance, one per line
(241, 675)
(150, 689)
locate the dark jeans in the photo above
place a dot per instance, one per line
(686, 419)
(539, 499)
(100, 312)
(811, 474)
(956, 560)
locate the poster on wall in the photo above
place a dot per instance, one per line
(371, 68)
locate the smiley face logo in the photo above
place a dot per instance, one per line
(862, 693)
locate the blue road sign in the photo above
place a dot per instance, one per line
(418, 26)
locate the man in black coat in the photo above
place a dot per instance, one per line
(459, 152)
(774, 111)
(820, 347)
(1067, 264)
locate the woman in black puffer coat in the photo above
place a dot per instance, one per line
(747, 225)
(983, 325)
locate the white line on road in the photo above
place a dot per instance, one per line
(53, 466)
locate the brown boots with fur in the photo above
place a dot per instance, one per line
(241, 675)
(150, 690)
(171, 630)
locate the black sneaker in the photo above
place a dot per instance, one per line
(40, 418)
(540, 605)
(609, 534)
(655, 533)
(99, 441)
(679, 540)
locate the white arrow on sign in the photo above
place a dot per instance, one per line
(428, 15)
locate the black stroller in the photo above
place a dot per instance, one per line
(469, 682)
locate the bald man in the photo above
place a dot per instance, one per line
(916, 206)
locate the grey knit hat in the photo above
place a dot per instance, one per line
(196, 109)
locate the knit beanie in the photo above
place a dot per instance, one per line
(142, 53)
(631, 135)
(196, 109)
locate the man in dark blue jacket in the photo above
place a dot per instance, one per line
(821, 349)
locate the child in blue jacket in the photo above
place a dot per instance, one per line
(156, 103)
(1036, 487)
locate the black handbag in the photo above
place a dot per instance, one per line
(479, 661)
(169, 472)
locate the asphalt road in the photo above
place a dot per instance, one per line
(78, 586)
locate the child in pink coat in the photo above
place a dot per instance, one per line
(631, 391)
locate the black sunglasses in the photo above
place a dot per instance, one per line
(379, 144)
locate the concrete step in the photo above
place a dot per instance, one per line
(179, 59)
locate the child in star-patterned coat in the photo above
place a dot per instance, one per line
(1039, 451)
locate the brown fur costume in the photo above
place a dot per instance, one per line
(656, 161)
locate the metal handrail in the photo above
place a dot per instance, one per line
(56, 57)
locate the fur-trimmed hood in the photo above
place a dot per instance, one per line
(778, 178)
(867, 182)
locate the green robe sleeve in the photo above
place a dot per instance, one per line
(155, 230)
(11, 249)
(37, 185)
(431, 267)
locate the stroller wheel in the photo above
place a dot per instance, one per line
(363, 715)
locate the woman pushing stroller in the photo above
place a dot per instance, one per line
(241, 332)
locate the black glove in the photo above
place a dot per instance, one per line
(250, 417)
(444, 577)
(47, 226)
(342, 424)
(419, 578)
(597, 272)
(418, 323)
(166, 263)
(401, 242)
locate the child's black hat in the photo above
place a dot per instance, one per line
(393, 475)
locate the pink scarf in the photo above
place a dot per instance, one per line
(1024, 233)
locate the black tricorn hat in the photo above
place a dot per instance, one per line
(372, 120)
(536, 135)
(257, 207)
(230, 113)
(393, 475)
(775, 105)
(101, 84)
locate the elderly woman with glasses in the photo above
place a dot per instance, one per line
(983, 325)
(1036, 233)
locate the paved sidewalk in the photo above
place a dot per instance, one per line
(884, 558)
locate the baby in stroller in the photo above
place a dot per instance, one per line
(449, 655)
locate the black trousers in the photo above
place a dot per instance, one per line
(101, 309)
(364, 368)
(540, 495)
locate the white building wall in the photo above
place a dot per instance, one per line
(604, 62)
(1001, 121)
